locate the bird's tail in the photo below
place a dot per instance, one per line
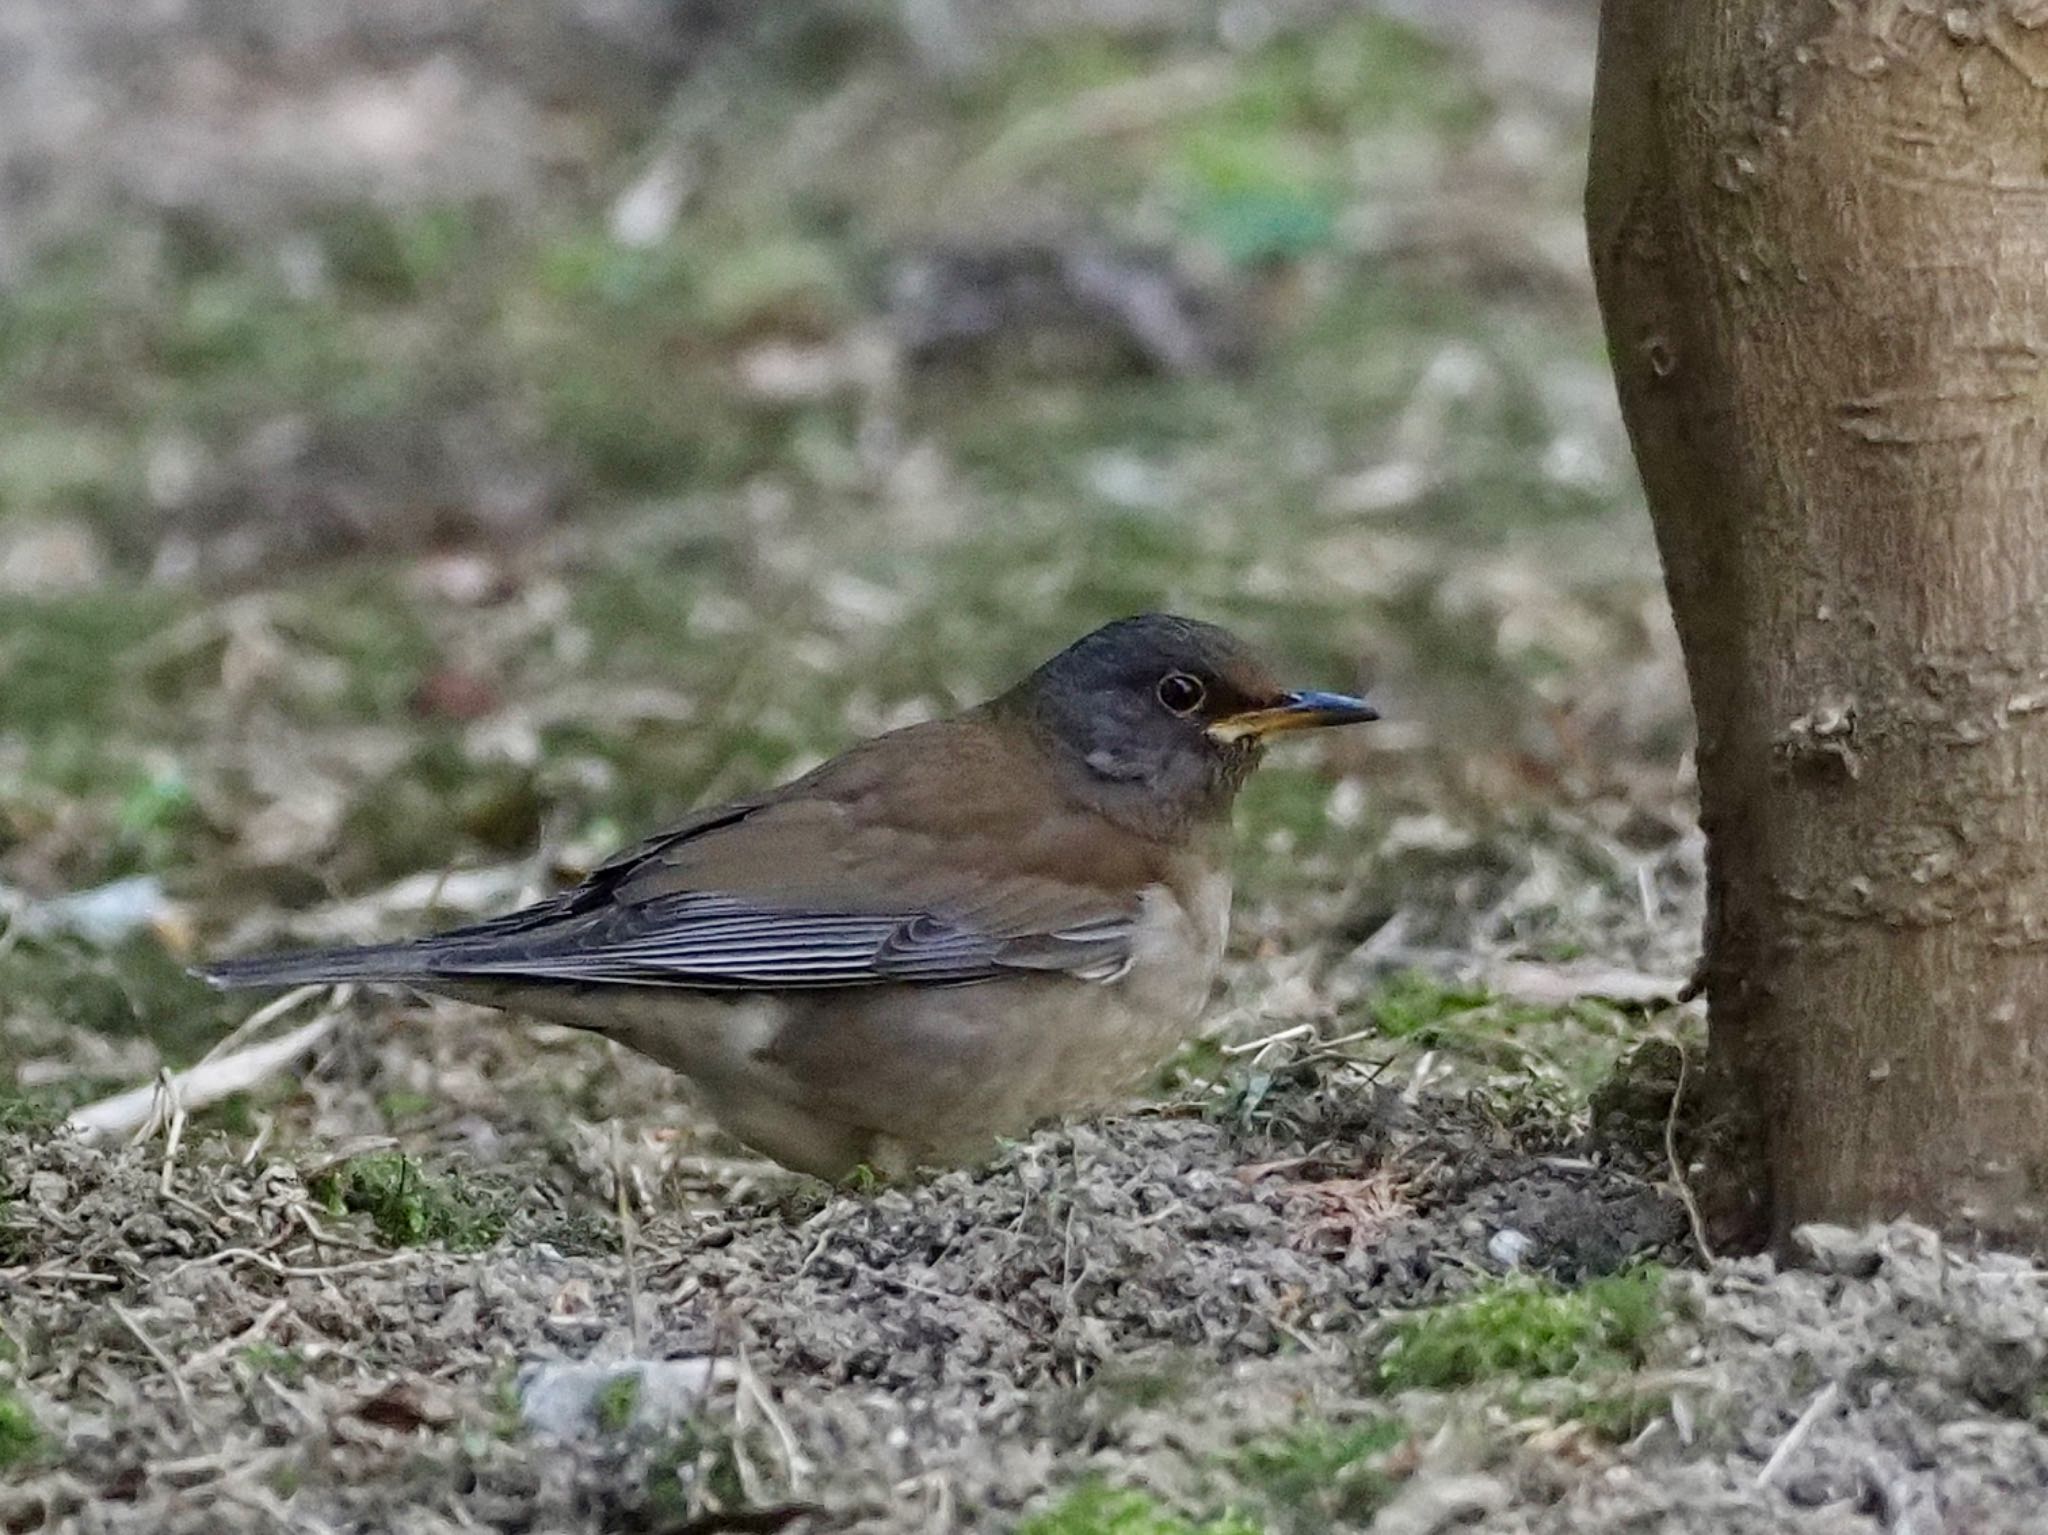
(371, 962)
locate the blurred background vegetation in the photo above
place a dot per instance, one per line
(433, 430)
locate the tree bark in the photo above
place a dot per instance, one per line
(1820, 237)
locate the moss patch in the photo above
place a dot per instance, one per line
(1527, 1329)
(617, 1402)
(1094, 1508)
(20, 1437)
(1319, 1473)
(408, 1207)
(268, 1359)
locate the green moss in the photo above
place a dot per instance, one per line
(1548, 1061)
(1318, 1474)
(269, 1359)
(862, 1179)
(696, 1470)
(1619, 1411)
(28, 1113)
(1198, 1062)
(1149, 1381)
(617, 1401)
(410, 1208)
(1415, 1005)
(1527, 1329)
(1094, 1508)
(20, 1437)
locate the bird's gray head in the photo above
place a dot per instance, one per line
(1168, 713)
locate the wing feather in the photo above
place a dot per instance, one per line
(711, 941)
(938, 855)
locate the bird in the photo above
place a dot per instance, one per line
(934, 942)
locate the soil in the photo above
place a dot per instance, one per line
(1131, 1299)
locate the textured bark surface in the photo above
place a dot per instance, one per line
(1820, 234)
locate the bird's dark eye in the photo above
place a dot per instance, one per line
(1180, 692)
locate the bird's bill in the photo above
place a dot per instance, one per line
(1297, 711)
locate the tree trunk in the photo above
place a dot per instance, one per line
(1820, 236)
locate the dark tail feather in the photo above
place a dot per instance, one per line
(375, 962)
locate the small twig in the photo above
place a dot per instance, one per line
(295, 1271)
(322, 1237)
(208, 1358)
(1418, 1078)
(200, 1213)
(127, 1319)
(174, 1137)
(1252, 1172)
(1800, 1431)
(628, 1239)
(793, 1464)
(1324, 1049)
(1678, 1178)
(817, 1250)
(59, 1276)
(1252, 1046)
(266, 1126)
(743, 1463)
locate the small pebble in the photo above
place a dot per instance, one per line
(1508, 1247)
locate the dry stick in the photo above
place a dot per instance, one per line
(1292, 1031)
(127, 1320)
(285, 1270)
(793, 1463)
(743, 1463)
(64, 1276)
(266, 1126)
(206, 1083)
(1798, 1434)
(1685, 1195)
(174, 1137)
(207, 1358)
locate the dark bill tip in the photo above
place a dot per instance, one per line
(1330, 709)
(1297, 711)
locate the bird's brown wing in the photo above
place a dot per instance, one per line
(937, 855)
